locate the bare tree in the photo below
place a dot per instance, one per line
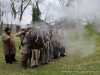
(19, 6)
(0, 11)
(66, 2)
(1, 18)
(16, 8)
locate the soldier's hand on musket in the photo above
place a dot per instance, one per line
(44, 45)
(22, 32)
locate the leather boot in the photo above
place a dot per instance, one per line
(7, 59)
(24, 65)
(13, 58)
(55, 56)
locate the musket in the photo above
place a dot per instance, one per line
(34, 56)
(9, 52)
(45, 49)
(30, 54)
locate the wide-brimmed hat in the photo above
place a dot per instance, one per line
(7, 28)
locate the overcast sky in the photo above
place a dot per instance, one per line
(27, 16)
(84, 8)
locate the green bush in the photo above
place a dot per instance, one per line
(90, 29)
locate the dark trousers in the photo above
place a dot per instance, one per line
(62, 50)
(56, 52)
(12, 57)
(51, 53)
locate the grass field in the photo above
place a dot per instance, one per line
(73, 64)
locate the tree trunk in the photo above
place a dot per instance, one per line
(17, 28)
(1, 28)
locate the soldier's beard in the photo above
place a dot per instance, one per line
(8, 33)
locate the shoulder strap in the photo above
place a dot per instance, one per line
(22, 40)
(26, 37)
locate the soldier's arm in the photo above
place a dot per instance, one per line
(18, 34)
(4, 38)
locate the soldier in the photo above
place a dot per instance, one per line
(24, 47)
(29, 30)
(9, 48)
(55, 43)
(51, 44)
(64, 42)
(61, 42)
(36, 46)
(45, 51)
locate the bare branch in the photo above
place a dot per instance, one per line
(65, 2)
(26, 5)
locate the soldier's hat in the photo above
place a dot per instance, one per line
(7, 28)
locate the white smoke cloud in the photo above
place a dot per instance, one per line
(87, 9)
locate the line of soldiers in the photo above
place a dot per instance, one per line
(40, 43)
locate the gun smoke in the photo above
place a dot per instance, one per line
(74, 17)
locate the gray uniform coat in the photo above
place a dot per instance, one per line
(25, 48)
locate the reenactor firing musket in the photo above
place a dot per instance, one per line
(24, 47)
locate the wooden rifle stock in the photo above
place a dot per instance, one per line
(45, 50)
